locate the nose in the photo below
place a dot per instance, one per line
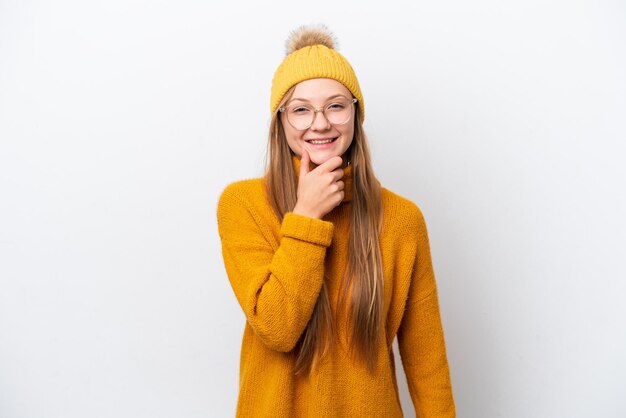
(320, 123)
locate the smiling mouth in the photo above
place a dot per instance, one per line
(321, 141)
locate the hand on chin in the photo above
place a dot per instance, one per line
(320, 158)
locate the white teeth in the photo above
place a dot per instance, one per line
(324, 141)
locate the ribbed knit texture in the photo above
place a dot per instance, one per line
(317, 61)
(276, 271)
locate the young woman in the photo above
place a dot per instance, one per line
(328, 265)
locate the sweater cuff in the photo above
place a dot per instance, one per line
(307, 229)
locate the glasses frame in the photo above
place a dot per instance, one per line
(322, 109)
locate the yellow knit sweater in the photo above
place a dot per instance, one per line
(276, 271)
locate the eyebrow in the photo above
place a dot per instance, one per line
(308, 101)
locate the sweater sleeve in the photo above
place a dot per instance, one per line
(277, 288)
(421, 340)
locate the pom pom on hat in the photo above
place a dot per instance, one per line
(311, 54)
(309, 36)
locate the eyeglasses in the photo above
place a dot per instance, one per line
(336, 112)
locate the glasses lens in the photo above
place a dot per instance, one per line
(300, 117)
(338, 112)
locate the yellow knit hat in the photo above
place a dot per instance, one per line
(311, 54)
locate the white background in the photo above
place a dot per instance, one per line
(122, 121)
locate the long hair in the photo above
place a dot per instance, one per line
(363, 280)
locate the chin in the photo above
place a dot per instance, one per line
(321, 158)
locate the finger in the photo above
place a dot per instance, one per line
(331, 164)
(337, 174)
(304, 163)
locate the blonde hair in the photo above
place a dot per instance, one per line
(363, 274)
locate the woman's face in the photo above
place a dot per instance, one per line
(318, 93)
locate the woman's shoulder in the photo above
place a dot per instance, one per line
(245, 189)
(247, 195)
(401, 212)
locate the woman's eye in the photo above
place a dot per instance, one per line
(300, 110)
(336, 106)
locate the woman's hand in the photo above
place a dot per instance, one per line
(319, 190)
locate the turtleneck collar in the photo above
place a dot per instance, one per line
(347, 178)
